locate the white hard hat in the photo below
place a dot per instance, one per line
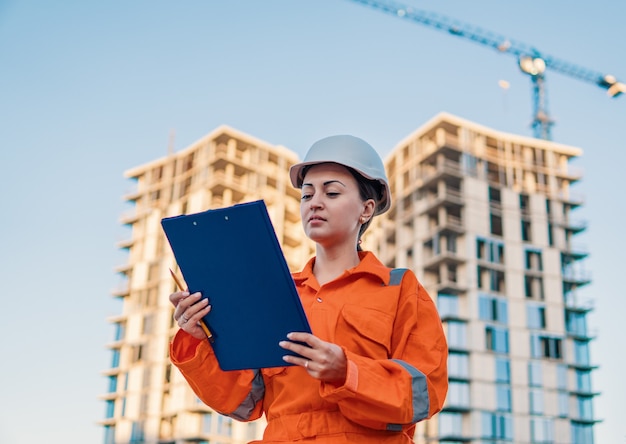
(351, 152)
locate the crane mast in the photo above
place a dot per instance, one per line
(531, 61)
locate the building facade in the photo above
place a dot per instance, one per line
(484, 218)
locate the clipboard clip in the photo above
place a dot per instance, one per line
(203, 325)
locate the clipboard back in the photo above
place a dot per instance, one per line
(232, 256)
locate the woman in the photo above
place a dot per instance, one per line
(376, 362)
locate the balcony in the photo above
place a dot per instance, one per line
(582, 365)
(573, 226)
(576, 278)
(581, 334)
(122, 290)
(569, 173)
(448, 197)
(133, 194)
(575, 303)
(443, 170)
(573, 252)
(432, 261)
(125, 244)
(451, 224)
(585, 420)
(568, 198)
(447, 285)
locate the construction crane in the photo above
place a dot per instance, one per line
(531, 61)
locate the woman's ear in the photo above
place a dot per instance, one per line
(368, 209)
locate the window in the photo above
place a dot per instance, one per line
(495, 224)
(458, 365)
(536, 316)
(561, 377)
(563, 400)
(581, 353)
(251, 431)
(524, 203)
(583, 381)
(550, 234)
(585, 407)
(545, 347)
(536, 401)
(224, 425)
(120, 329)
(490, 280)
(109, 435)
(469, 164)
(497, 426)
(450, 242)
(448, 305)
(582, 433)
(110, 409)
(533, 260)
(541, 431)
(457, 335)
(503, 370)
(495, 196)
(576, 323)
(207, 423)
(503, 398)
(490, 250)
(526, 231)
(492, 308)
(452, 277)
(458, 394)
(136, 433)
(115, 359)
(148, 324)
(534, 374)
(450, 424)
(497, 339)
(153, 271)
(136, 353)
(112, 383)
(533, 287)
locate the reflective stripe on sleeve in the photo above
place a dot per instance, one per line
(421, 403)
(243, 412)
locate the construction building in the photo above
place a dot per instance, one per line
(484, 218)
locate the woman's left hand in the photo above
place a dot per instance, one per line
(323, 360)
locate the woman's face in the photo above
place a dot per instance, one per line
(331, 206)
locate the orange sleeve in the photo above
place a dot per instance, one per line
(409, 386)
(237, 394)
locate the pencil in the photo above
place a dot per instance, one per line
(180, 286)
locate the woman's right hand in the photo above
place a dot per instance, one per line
(189, 310)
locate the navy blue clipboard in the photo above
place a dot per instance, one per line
(232, 256)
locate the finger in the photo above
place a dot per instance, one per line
(302, 352)
(307, 338)
(185, 304)
(198, 311)
(175, 298)
(298, 360)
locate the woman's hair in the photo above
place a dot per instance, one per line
(368, 189)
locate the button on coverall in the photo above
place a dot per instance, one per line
(396, 354)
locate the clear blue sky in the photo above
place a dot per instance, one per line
(89, 89)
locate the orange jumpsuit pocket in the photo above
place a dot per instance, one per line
(365, 331)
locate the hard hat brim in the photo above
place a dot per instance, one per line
(296, 177)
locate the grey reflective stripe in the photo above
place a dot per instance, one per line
(394, 427)
(243, 412)
(421, 404)
(395, 276)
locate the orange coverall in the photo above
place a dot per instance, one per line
(394, 343)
